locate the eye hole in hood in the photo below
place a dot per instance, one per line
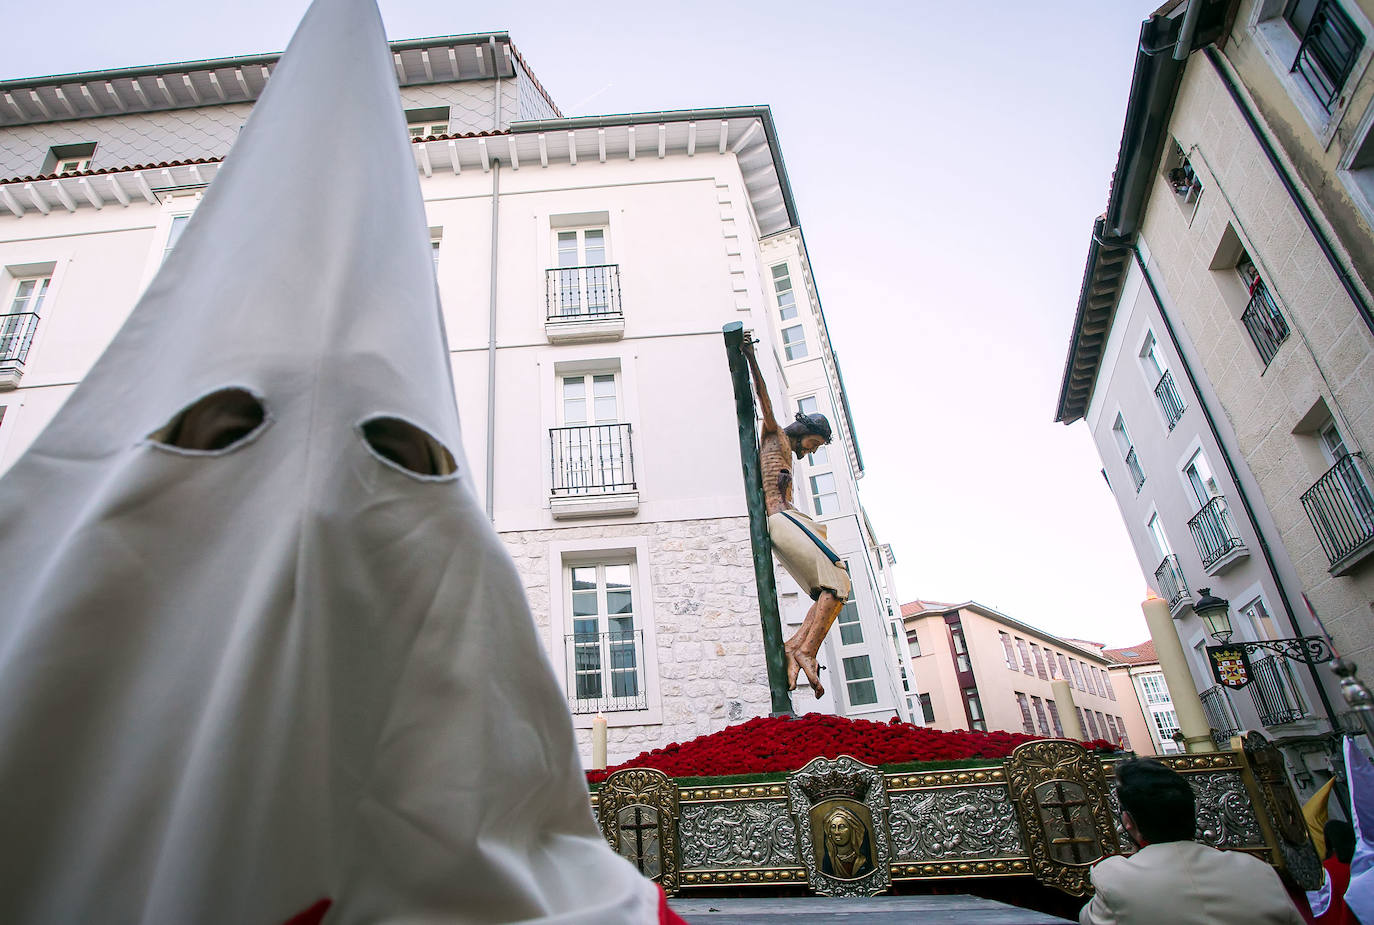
(409, 447)
(220, 421)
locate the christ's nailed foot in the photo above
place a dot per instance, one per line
(798, 660)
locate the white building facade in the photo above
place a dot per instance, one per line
(586, 267)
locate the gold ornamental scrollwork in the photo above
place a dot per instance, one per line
(1061, 801)
(840, 807)
(638, 812)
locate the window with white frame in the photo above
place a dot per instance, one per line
(582, 284)
(605, 650)
(858, 681)
(591, 447)
(1316, 46)
(1257, 612)
(69, 158)
(436, 237)
(18, 325)
(174, 233)
(421, 123)
(820, 480)
(1123, 443)
(793, 333)
(974, 706)
(1162, 381)
(851, 632)
(956, 636)
(1152, 686)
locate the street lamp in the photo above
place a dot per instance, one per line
(1215, 613)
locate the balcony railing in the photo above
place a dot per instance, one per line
(1341, 507)
(1173, 587)
(1133, 463)
(605, 671)
(16, 335)
(1275, 691)
(1220, 715)
(1214, 532)
(1169, 399)
(1264, 322)
(592, 459)
(583, 293)
(1328, 52)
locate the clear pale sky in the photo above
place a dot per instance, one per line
(947, 161)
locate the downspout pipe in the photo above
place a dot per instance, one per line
(1342, 274)
(491, 342)
(1231, 471)
(1184, 46)
(496, 70)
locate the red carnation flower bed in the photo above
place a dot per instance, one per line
(777, 745)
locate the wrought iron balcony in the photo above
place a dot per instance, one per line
(1275, 691)
(1169, 399)
(1328, 52)
(583, 293)
(1137, 473)
(16, 335)
(1341, 508)
(605, 671)
(1214, 532)
(1264, 322)
(1220, 715)
(1173, 587)
(592, 459)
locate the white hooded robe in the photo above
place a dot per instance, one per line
(236, 682)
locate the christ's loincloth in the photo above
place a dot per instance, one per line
(801, 548)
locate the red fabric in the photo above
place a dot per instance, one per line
(1337, 913)
(312, 915)
(667, 916)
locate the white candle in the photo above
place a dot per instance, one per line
(599, 743)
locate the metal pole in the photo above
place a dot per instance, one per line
(761, 544)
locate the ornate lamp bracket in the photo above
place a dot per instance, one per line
(1311, 650)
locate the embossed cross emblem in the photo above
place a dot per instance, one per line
(1065, 832)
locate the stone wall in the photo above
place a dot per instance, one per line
(705, 622)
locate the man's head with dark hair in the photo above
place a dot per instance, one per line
(1340, 840)
(804, 431)
(1160, 803)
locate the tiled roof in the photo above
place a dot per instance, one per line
(1141, 654)
(918, 606)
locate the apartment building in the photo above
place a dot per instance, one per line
(586, 267)
(1140, 665)
(976, 668)
(1221, 349)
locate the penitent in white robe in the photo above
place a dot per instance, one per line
(237, 682)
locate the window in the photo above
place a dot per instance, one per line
(824, 495)
(1157, 372)
(1112, 728)
(582, 284)
(436, 237)
(851, 633)
(1054, 717)
(1184, 181)
(1041, 723)
(1212, 528)
(1064, 667)
(1330, 43)
(927, 709)
(1027, 726)
(822, 487)
(1121, 732)
(1008, 651)
(605, 647)
(174, 232)
(1102, 686)
(974, 707)
(858, 681)
(1262, 319)
(1025, 656)
(1166, 722)
(793, 334)
(1094, 731)
(1123, 442)
(73, 158)
(1340, 505)
(913, 643)
(1257, 612)
(1107, 683)
(1356, 169)
(18, 326)
(1039, 663)
(1082, 723)
(1077, 675)
(1152, 686)
(591, 449)
(1049, 659)
(425, 122)
(956, 636)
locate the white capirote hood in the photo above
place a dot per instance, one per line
(233, 683)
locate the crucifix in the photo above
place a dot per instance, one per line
(1073, 842)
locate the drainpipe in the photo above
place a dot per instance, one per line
(1342, 274)
(491, 343)
(1231, 471)
(1184, 46)
(495, 69)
